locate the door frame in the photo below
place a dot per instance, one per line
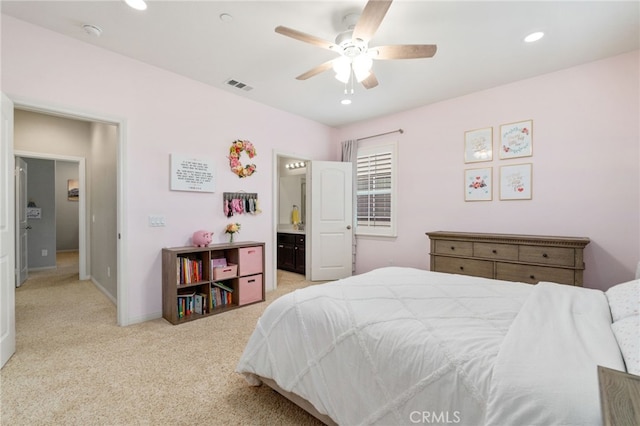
(275, 202)
(83, 243)
(121, 193)
(20, 195)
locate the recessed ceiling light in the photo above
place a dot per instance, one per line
(346, 102)
(534, 37)
(225, 17)
(137, 4)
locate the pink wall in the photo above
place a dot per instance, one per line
(164, 113)
(586, 172)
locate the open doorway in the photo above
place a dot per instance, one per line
(48, 208)
(290, 192)
(91, 147)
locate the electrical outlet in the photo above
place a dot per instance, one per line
(45, 252)
(108, 272)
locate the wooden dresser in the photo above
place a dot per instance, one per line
(510, 257)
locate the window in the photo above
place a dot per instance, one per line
(376, 190)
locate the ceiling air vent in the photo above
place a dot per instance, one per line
(238, 85)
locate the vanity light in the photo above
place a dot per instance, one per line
(296, 165)
(346, 101)
(534, 37)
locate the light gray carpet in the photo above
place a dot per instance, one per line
(73, 365)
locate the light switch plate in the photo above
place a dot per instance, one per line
(156, 221)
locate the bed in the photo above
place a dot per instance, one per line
(401, 346)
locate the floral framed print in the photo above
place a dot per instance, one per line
(516, 139)
(478, 145)
(516, 182)
(478, 184)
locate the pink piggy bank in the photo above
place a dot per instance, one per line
(202, 238)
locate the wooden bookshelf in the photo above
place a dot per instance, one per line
(189, 277)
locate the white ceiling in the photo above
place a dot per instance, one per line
(479, 45)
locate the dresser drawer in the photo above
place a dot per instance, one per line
(495, 251)
(533, 274)
(249, 289)
(250, 260)
(560, 256)
(458, 248)
(453, 265)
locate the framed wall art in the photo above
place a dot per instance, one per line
(73, 190)
(478, 145)
(516, 182)
(192, 174)
(516, 139)
(478, 185)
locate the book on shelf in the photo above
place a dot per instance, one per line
(185, 304)
(222, 286)
(219, 262)
(220, 298)
(200, 303)
(189, 270)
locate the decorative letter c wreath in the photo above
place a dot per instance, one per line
(234, 158)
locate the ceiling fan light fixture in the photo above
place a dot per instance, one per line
(343, 77)
(341, 65)
(342, 68)
(362, 67)
(361, 75)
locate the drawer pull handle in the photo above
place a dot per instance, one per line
(494, 251)
(250, 251)
(251, 281)
(533, 277)
(545, 255)
(453, 248)
(280, 246)
(462, 268)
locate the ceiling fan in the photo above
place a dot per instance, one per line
(356, 57)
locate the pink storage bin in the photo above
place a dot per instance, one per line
(249, 289)
(225, 272)
(250, 260)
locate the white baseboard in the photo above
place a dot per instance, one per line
(130, 321)
(104, 291)
(41, 268)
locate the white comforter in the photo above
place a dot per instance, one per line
(406, 346)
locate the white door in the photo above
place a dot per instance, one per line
(7, 228)
(331, 227)
(21, 221)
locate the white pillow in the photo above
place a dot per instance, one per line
(624, 299)
(627, 332)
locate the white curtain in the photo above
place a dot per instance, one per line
(350, 155)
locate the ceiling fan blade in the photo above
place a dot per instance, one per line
(370, 82)
(405, 51)
(298, 35)
(315, 71)
(370, 20)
